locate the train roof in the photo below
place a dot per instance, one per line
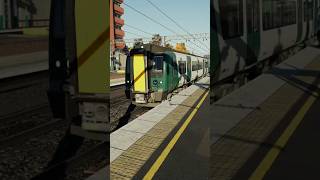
(158, 49)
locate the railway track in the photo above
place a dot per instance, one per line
(61, 169)
(24, 104)
(21, 136)
(10, 118)
(122, 111)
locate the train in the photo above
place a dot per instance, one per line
(154, 72)
(79, 73)
(249, 35)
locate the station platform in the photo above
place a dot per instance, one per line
(100, 175)
(11, 31)
(258, 131)
(117, 79)
(117, 82)
(23, 64)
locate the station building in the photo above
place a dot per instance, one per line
(17, 14)
(117, 34)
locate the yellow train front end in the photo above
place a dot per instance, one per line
(92, 33)
(140, 78)
(79, 65)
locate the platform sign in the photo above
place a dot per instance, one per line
(92, 34)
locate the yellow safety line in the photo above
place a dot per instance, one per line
(102, 38)
(271, 156)
(155, 167)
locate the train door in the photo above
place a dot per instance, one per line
(189, 68)
(253, 31)
(197, 68)
(139, 74)
(182, 66)
(204, 67)
(170, 74)
(201, 67)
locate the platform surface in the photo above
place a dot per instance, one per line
(100, 175)
(117, 81)
(230, 138)
(23, 64)
(247, 124)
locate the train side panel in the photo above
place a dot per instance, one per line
(230, 37)
(248, 31)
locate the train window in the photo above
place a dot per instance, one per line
(253, 16)
(267, 14)
(277, 13)
(289, 11)
(272, 14)
(231, 12)
(194, 66)
(200, 65)
(189, 63)
(157, 65)
(308, 10)
(182, 67)
(305, 11)
(277, 16)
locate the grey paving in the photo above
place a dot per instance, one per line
(234, 107)
(116, 82)
(100, 175)
(23, 64)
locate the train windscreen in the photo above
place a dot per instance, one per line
(157, 66)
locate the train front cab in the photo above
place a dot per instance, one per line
(142, 68)
(148, 77)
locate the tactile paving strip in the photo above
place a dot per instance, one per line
(232, 151)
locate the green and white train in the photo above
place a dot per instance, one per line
(153, 72)
(248, 35)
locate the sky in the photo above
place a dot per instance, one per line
(192, 15)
